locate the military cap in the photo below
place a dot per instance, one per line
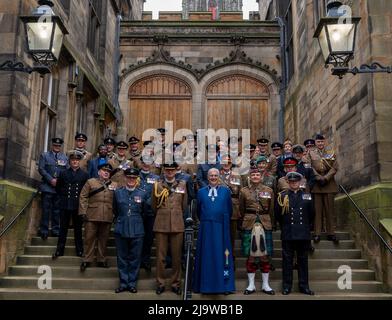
(309, 142)
(261, 159)
(105, 167)
(276, 145)
(131, 172)
(172, 165)
(133, 140)
(109, 141)
(146, 143)
(81, 136)
(254, 169)
(57, 141)
(75, 154)
(122, 145)
(162, 130)
(319, 136)
(290, 161)
(263, 141)
(250, 147)
(294, 176)
(298, 149)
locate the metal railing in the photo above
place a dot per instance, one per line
(363, 216)
(16, 217)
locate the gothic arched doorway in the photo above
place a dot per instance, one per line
(238, 102)
(156, 99)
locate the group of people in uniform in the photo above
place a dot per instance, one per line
(291, 188)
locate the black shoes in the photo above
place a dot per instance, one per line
(311, 250)
(120, 289)
(84, 266)
(286, 292)
(248, 292)
(316, 239)
(102, 265)
(176, 290)
(333, 238)
(271, 292)
(307, 291)
(79, 254)
(160, 290)
(132, 290)
(44, 236)
(56, 255)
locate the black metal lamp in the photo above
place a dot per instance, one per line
(336, 35)
(44, 33)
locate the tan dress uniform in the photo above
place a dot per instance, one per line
(169, 227)
(99, 212)
(325, 165)
(233, 182)
(119, 166)
(135, 158)
(272, 163)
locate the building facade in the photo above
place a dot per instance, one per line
(354, 113)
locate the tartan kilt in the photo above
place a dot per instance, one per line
(247, 239)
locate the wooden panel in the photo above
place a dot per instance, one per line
(157, 99)
(238, 102)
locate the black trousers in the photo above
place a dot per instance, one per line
(50, 211)
(65, 219)
(301, 247)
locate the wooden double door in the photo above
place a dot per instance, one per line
(231, 102)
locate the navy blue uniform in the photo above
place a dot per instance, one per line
(307, 171)
(49, 167)
(147, 181)
(295, 225)
(69, 185)
(128, 208)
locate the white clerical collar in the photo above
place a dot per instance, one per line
(213, 192)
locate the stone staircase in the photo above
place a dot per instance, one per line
(21, 282)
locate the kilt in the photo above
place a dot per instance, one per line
(247, 239)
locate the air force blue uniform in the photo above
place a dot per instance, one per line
(49, 167)
(129, 208)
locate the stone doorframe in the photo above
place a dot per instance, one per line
(199, 88)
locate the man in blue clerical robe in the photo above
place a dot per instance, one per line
(214, 269)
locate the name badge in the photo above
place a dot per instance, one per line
(265, 195)
(306, 196)
(235, 181)
(150, 180)
(138, 199)
(112, 188)
(307, 165)
(179, 190)
(61, 163)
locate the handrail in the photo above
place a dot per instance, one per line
(363, 215)
(189, 236)
(14, 219)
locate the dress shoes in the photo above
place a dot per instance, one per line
(176, 290)
(248, 292)
(103, 265)
(307, 291)
(316, 239)
(44, 236)
(84, 266)
(160, 290)
(132, 290)
(311, 250)
(333, 238)
(79, 254)
(286, 292)
(120, 289)
(56, 255)
(270, 292)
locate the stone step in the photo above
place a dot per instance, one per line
(74, 272)
(344, 244)
(150, 284)
(56, 294)
(240, 262)
(111, 251)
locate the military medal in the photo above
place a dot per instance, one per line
(150, 180)
(265, 195)
(138, 199)
(180, 190)
(307, 196)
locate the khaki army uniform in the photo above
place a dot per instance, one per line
(233, 182)
(272, 163)
(135, 158)
(99, 214)
(169, 203)
(325, 165)
(119, 167)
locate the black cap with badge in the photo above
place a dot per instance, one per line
(294, 176)
(110, 141)
(131, 172)
(133, 140)
(57, 141)
(75, 154)
(81, 136)
(122, 145)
